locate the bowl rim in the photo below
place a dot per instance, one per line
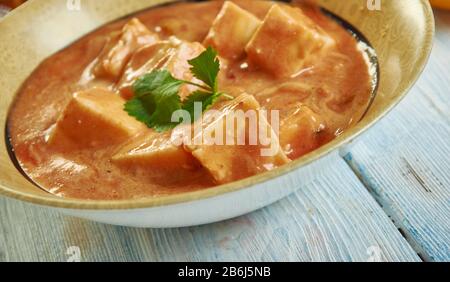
(216, 191)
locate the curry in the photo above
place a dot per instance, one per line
(82, 125)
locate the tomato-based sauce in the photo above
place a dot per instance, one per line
(331, 90)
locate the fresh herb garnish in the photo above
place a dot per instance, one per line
(156, 94)
(206, 67)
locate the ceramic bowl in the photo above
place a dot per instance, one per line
(401, 33)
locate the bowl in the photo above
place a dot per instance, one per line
(400, 31)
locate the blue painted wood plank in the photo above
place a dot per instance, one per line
(333, 218)
(405, 160)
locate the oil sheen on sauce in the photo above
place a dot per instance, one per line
(338, 87)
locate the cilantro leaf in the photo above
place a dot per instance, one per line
(150, 82)
(156, 95)
(206, 99)
(155, 99)
(206, 67)
(137, 109)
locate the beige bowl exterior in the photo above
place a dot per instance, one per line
(402, 34)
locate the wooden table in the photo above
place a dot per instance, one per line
(387, 200)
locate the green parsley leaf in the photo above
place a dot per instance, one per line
(150, 82)
(156, 95)
(207, 99)
(206, 67)
(137, 109)
(155, 99)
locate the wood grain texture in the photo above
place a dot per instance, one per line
(404, 163)
(405, 160)
(332, 219)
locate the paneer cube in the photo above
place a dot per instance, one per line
(300, 131)
(230, 145)
(93, 118)
(286, 42)
(153, 150)
(231, 31)
(172, 55)
(120, 47)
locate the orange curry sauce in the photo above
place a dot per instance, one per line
(334, 89)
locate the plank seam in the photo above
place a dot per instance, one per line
(385, 207)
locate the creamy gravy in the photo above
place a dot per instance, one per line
(337, 87)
